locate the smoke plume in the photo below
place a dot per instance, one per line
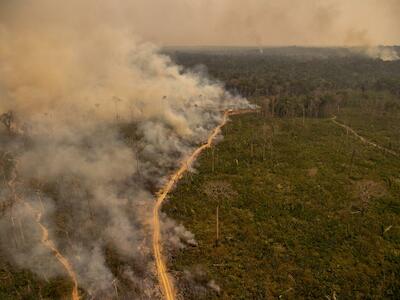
(97, 120)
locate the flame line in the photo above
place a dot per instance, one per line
(162, 272)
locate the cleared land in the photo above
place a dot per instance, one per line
(305, 211)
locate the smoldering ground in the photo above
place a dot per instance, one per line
(99, 119)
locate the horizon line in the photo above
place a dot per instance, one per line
(277, 46)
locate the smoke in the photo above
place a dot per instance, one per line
(177, 236)
(195, 284)
(268, 22)
(382, 53)
(102, 119)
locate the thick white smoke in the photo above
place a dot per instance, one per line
(100, 120)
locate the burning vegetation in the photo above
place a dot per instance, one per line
(90, 129)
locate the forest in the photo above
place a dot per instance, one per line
(301, 199)
(296, 81)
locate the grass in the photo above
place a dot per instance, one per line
(317, 216)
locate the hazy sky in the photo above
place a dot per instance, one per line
(268, 22)
(234, 22)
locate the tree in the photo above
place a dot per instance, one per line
(8, 121)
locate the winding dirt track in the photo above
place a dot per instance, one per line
(363, 139)
(162, 272)
(61, 259)
(47, 242)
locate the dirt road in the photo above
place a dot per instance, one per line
(162, 272)
(45, 240)
(363, 139)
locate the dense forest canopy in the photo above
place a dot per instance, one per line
(296, 80)
(255, 71)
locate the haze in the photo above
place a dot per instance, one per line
(268, 22)
(246, 23)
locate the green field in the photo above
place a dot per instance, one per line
(305, 211)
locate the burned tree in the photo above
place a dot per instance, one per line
(8, 120)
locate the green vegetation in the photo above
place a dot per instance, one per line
(305, 211)
(24, 285)
(375, 116)
(294, 72)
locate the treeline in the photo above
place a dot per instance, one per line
(328, 103)
(254, 75)
(301, 85)
(313, 106)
